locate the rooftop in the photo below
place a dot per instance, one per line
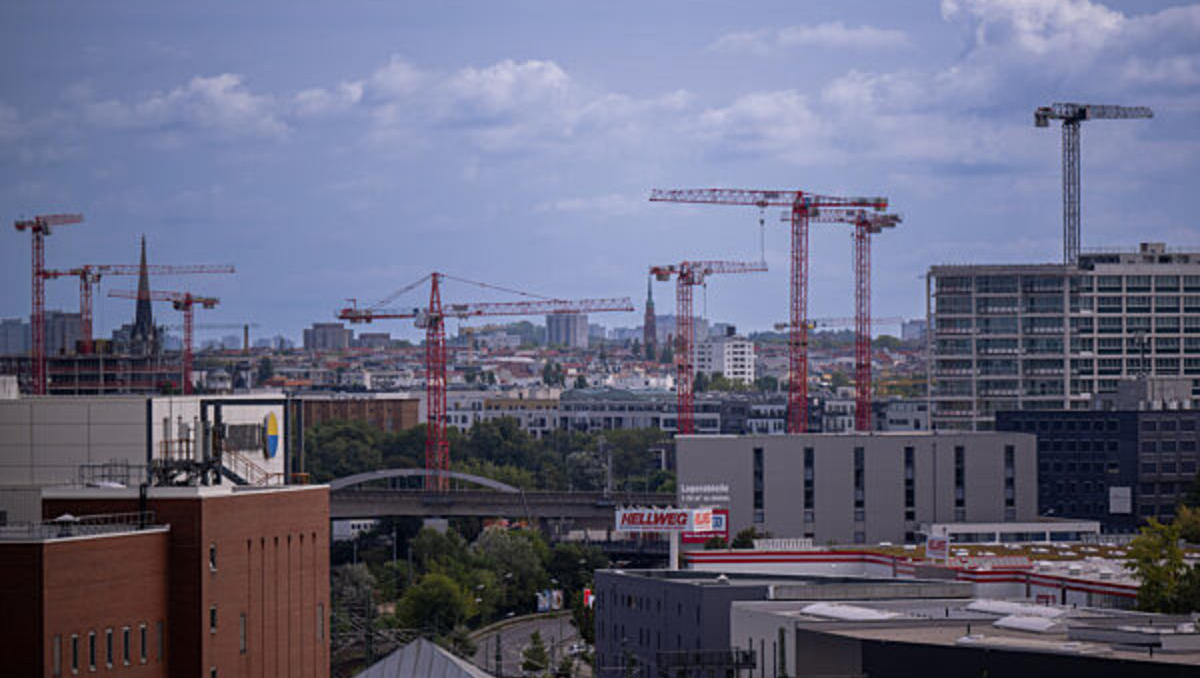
(998, 624)
(68, 526)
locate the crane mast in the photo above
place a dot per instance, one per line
(688, 274)
(433, 320)
(39, 228)
(1071, 115)
(802, 206)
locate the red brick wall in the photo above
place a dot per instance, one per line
(387, 414)
(272, 565)
(75, 586)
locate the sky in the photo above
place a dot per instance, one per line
(334, 150)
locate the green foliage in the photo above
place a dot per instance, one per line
(265, 370)
(745, 537)
(887, 341)
(436, 604)
(767, 384)
(581, 381)
(565, 667)
(534, 658)
(1168, 584)
(700, 382)
(553, 374)
(715, 543)
(459, 642)
(340, 448)
(1187, 519)
(668, 354)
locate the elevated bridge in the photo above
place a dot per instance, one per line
(367, 495)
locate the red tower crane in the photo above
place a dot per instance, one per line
(89, 279)
(804, 207)
(186, 303)
(39, 227)
(688, 274)
(433, 321)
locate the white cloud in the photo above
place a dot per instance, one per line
(395, 79)
(11, 127)
(318, 101)
(832, 35)
(220, 103)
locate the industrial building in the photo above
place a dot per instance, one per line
(182, 581)
(55, 440)
(1053, 336)
(714, 622)
(859, 488)
(390, 413)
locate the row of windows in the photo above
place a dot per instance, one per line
(89, 649)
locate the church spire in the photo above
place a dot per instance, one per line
(145, 335)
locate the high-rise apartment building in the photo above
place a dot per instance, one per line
(328, 337)
(567, 329)
(1052, 336)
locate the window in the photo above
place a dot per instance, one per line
(108, 647)
(212, 619)
(759, 500)
(91, 650)
(126, 646)
(74, 653)
(1010, 480)
(142, 645)
(212, 672)
(809, 481)
(320, 621)
(56, 656)
(242, 632)
(910, 492)
(212, 557)
(960, 475)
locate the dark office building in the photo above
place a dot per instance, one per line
(1115, 467)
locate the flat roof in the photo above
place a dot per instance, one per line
(958, 623)
(172, 492)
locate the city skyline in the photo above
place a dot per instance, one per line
(347, 151)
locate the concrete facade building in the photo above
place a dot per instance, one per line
(51, 440)
(567, 329)
(14, 336)
(1052, 336)
(730, 356)
(328, 337)
(859, 488)
(598, 409)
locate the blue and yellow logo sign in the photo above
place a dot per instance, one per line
(270, 436)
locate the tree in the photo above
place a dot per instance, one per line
(744, 539)
(581, 381)
(436, 604)
(668, 354)
(566, 667)
(336, 449)
(534, 658)
(700, 383)
(1188, 520)
(715, 542)
(767, 384)
(265, 370)
(1157, 559)
(553, 375)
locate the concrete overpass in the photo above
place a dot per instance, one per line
(360, 496)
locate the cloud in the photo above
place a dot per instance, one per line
(832, 35)
(11, 127)
(219, 103)
(318, 101)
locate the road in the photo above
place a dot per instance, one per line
(557, 634)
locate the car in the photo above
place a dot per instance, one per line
(577, 649)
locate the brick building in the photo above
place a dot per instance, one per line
(388, 414)
(64, 611)
(238, 579)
